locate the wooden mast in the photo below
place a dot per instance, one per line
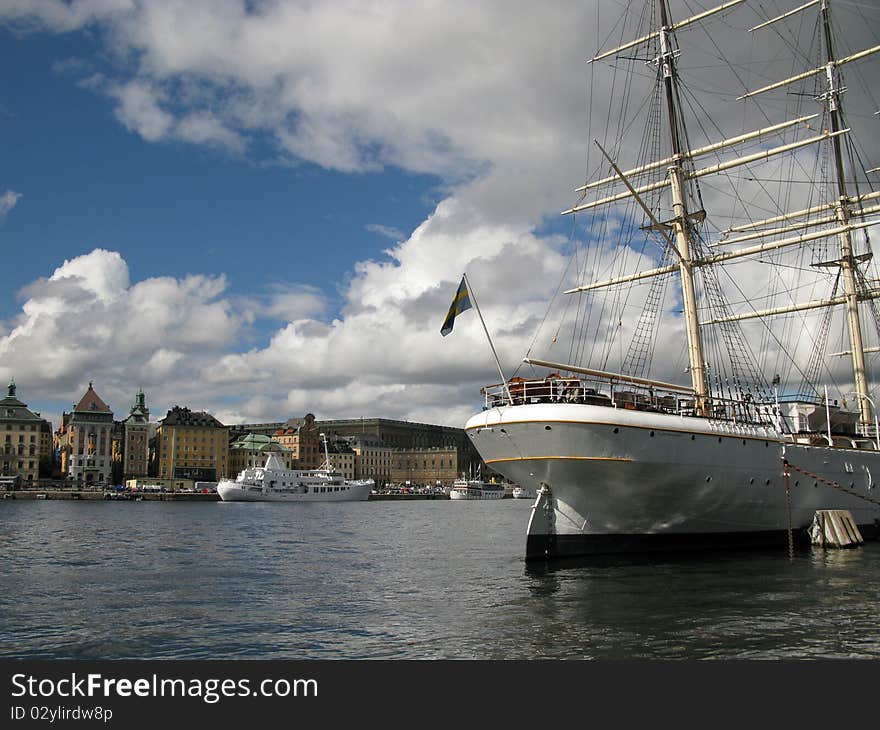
(680, 222)
(848, 262)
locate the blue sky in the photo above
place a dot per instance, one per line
(308, 182)
(172, 207)
(263, 209)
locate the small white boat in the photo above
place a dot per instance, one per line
(523, 493)
(475, 489)
(274, 483)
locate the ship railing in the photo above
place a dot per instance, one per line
(629, 396)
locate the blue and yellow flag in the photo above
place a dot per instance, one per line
(461, 303)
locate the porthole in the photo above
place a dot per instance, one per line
(652, 434)
(752, 480)
(503, 430)
(797, 482)
(547, 428)
(767, 482)
(693, 437)
(616, 430)
(719, 439)
(708, 479)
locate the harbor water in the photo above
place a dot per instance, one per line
(399, 580)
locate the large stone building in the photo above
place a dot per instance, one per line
(425, 467)
(406, 435)
(85, 440)
(26, 440)
(385, 450)
(135, 439)
(373, 459)
(192, 445)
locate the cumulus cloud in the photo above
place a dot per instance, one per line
(487, 97)
(87, 321)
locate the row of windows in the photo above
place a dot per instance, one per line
(414, 464)
(20, 438)
(21, 427)
(10, 449)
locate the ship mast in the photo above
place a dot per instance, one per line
(680, 222)
(777, 232)
(847, 260)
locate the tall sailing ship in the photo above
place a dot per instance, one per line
(623, 459)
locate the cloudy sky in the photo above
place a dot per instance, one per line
(263, 209)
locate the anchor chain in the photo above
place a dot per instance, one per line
(831, 484)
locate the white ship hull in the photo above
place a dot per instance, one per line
(476, 490)
(522, 493)
(461, 495)
(230, 491)
(615, 480)
(470, 495)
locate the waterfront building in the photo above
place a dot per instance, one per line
(427, 466)
(192, 445)
(342, 457)
(135, 438)
(418, 444)
(253, 449)
(408, 435)
(26, 440)
(86, 440)
(299, 435)
(373, 459)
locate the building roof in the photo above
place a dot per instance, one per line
(12, 409)
(257, 442)
(178, 416)
(91, 403)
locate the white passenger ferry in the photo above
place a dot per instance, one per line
(475, 489)
(274, 483)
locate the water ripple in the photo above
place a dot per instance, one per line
(426, 580)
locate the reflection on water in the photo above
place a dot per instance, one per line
(431, 579)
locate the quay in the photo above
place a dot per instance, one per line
(99, 495)
(381, 496)
(127, 496)
(109, 495)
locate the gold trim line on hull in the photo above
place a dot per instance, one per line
(572, 458)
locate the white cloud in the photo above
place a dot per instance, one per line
(140, 111)
(488, 97)
(87, 321)
(8, 201)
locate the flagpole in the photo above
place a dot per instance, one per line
(486, 330)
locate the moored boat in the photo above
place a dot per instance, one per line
(274, 483)
(475, 489)
(623, 461)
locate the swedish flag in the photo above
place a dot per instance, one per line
(461, 303)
